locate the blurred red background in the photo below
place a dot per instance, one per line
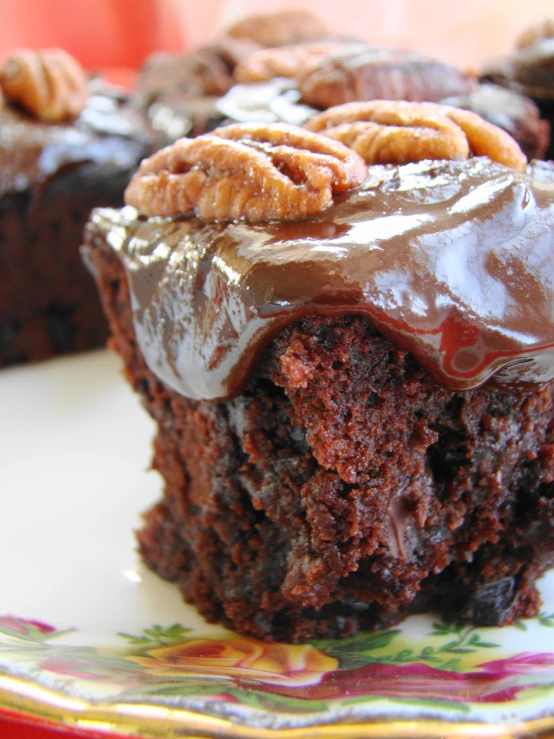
(120, 33)
(112, 35)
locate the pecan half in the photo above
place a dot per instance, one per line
(49, 84)
(287, 61)
(279, 29)
(257, 172)
(366, 73)
(396, 132)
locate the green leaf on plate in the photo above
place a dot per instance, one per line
(485, 644)
(274, 702)
(424, 702)
(546, 620)
(158, 636)
(358, 644)
(452, 665)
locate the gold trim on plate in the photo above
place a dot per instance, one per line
(160, 722)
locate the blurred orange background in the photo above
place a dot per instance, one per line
(120, 33)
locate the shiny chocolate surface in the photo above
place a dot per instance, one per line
(453, 261)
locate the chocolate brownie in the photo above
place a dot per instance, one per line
(354, 410)
(51, 176)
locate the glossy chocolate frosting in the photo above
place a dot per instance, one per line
(453, 261)
(110, 128)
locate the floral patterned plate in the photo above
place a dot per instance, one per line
(92, 641)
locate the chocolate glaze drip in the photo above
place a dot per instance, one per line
(109, 128)
(454, 261)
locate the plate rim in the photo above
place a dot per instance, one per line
(147, 721)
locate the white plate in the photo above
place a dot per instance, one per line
(75, 445)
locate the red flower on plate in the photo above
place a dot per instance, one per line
(69, 668)
(525, 663)
(413, 681)
(24, 626)
(91, 666)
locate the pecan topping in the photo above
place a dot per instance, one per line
(49, 84)
(258, 172)
(279, 29)
(365, 73)
(544, 29)
(396, 132)
(288, 61)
